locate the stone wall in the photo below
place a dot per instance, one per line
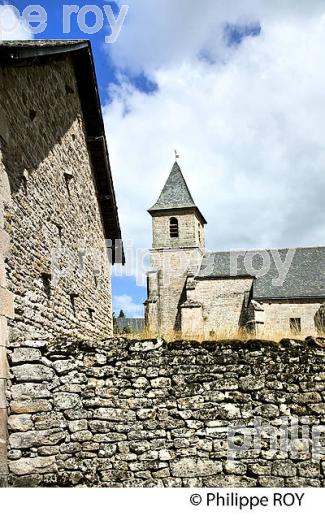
(190, 228)
(145, 414)
(55, 217)
(6, 298)
(223, 304)
(276, 317)
(171, 259)
(167, 285)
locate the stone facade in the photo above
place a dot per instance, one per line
(191, 230)
(6, 300)
(58, 269)
(172, 260)
(167, 280)
(223, 304)
(142, 414)
(275, 317)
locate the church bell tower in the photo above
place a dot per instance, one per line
(177, 251)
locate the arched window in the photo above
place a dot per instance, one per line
(173, 227)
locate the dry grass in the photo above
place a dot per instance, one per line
(220, 335)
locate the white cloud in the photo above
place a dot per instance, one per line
(164, 31)
(250, 129)
(12, 27)
(125, 303)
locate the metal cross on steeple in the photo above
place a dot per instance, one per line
(176, 155)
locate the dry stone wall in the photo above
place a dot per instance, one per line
(126, 413)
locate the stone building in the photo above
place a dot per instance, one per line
(204, 293)
(59, 224)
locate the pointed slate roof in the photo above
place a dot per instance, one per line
(175, 194)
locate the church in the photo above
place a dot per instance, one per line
(200, 293)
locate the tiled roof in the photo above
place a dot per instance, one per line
(304, 268)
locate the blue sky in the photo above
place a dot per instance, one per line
(238, 89)
(107, 74)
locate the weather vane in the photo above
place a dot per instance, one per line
(176, 155)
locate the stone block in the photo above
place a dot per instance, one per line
(284, 469)
(4, 331)
(4, 243)
(24, 407)
(3, 390)
(3, 273)
(23, 440)
(75, 426)
(49, 420)
(82, 436)
(25, 355)
(4, 367)
(32, 373)
(3, 424)
(6, 303)
(66, 401)
(64, 366)
(3, 459)
(30, 466)
(112, 414)
(30, 391)
(20, 423)
(188, 468)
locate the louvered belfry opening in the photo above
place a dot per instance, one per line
(173, 227)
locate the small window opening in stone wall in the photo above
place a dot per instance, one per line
(96, 278)
(60, 231)
(173, 228)
(25, 182)
(68, 89)
(91, 313)
(82, 256)
(46, 279)
(32, 114)
(73, 298)
(295, 325)
(68, 177)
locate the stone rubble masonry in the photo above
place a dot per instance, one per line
(45, 165)
(6, 305)
(124, 413)
(171, 261)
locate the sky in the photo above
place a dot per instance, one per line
(238, 88)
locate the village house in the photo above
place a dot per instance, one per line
(60, 230)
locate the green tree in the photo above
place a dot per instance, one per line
(122, 314)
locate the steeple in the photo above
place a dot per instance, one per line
(175, 194)
(178, 244)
